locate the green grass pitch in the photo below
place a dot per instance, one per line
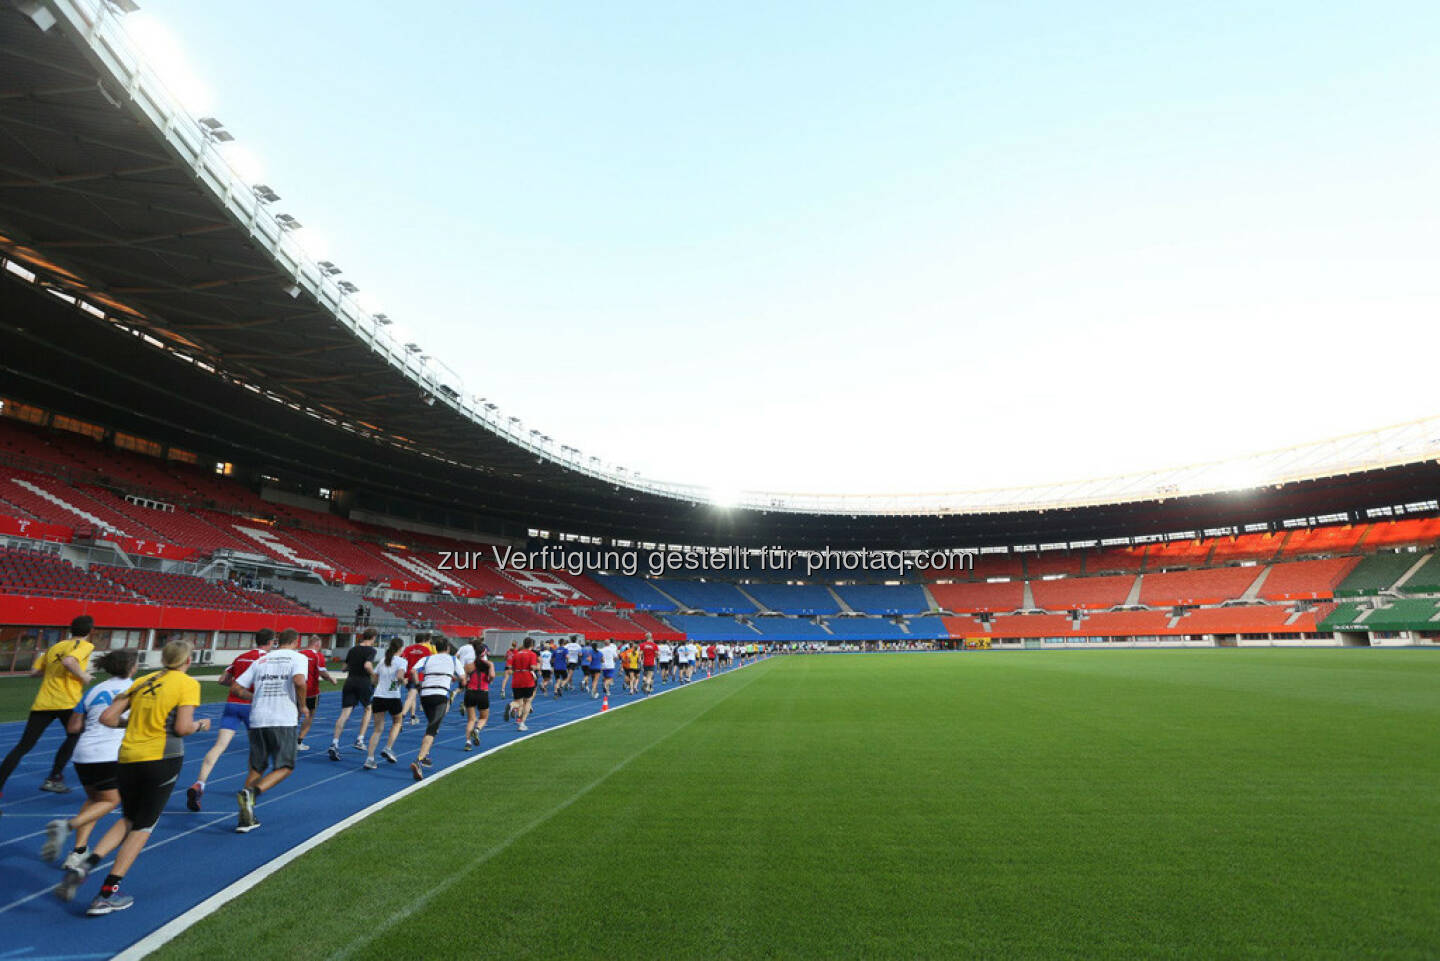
(1098, 805)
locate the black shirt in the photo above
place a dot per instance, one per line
(355, 663)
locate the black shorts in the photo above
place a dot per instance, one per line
(434, 706)
(522, 693)
(631, 671)
(356, 694)
(272, 744)
(649, 668)
(387, 705)
(480, 700)
(99, 776)
(145, 788)
(310, 703)
(547, 673)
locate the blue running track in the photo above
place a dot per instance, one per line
(38, 926)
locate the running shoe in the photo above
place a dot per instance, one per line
(469, 745)
(302, 746)
(521, 727)
(70, 883)
(102, 905)
(369, 764)
(389, 756)
(334, 753)
(415, 770)
(55, 785)
(426, 761)
(247, 820)
(193, 794)
(57, 832)
(359, 744)
(72, 861)
(414, 721)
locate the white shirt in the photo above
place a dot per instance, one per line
(466, 656)
(390, 678)
(272, 680)
(608, 653)
(666, 653)
(573, 649)
(100, 744)
(439, 671)
(545, 660)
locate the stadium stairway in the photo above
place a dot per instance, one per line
(847, 609)
(1132, 599)
(1411, 571)
(1253, 591)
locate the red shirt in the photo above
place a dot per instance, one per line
(648, 652)
(479, 679)
(710, 652)
(414, 654)
(312, 680)
(238, 666)
(523, 664)
(510, 658)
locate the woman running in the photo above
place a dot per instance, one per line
(478, 675)
(96, 758)
(390, 677)
(161, 711)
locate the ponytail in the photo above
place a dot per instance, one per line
(392, 650)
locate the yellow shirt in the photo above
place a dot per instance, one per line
(154, 699)
(60, 690)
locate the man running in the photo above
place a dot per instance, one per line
(435, 674)
(609, 655)
(414, 654)
(630, 661)
(560, 664)
(575, 658)
(358, 690)
(64, 667)
(547, 655)
(236, 717)
(667, 661)
(522, 682)
(276, 684)
(315, 658)
(649, 653)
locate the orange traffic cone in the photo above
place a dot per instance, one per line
(605, 704)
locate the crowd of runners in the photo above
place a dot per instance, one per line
(125, 735)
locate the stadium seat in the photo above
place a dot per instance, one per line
(1073, 593)
(1211, 586)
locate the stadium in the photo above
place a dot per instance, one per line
(1171, 713)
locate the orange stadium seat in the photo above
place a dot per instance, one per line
(1125, 624)
(1237, 620)
(1031, 625)
(1298, 580)
(1071, 593)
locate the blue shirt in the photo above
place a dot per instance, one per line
(557, 659)
(593, 658)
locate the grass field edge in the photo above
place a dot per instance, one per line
(176, 926)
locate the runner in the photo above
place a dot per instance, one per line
(435, 674)
(276, 684)
(97, 756)
(317, 673)
(479, 672)
(575, 657)
(594, 661)
(560, 663)
(161, 710)
(64, 669)
(505, 681)
(682, 663)
(667, 661)
(390, 680)
(649, 652)
(236, 717)
(414, 654)
(547, 654)
(523, 681)
(609, 655)
(630, 660)
(358, 690)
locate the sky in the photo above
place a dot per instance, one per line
(859, 247)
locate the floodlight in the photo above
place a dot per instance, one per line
(413, 347)
(329, 269)
(348, 287)
(265, 194)
(382, 319)
(288, 222)
(123, 6)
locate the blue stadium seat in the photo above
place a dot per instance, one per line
(794, 598)
(885, 598)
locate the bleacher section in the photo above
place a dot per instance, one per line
(1079, 593)
(1426, 580)
(715, 596)
(1125, 624)
(178, 590)
(45, 575)
(885, 599)
(636, 590)
(869, 628)
(970, 598)
(794, 598)
(1376, 573)
(705, 627)
(1300, 580)
(1210, 586)
(788, 629)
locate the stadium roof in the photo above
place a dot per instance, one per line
(191, 314)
